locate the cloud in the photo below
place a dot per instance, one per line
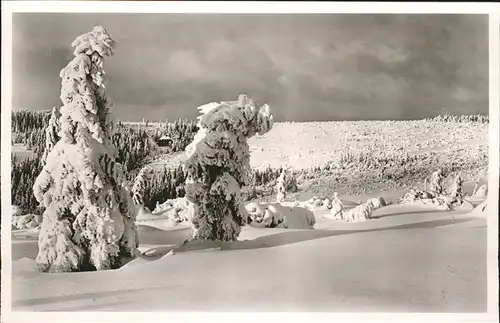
(307, 67)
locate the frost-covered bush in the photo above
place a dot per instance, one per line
(377, 202)
(264, 215)
(443, 202)
(327, 203)
(218, 165)
(174, 209)
(88, 223)
(360, 212)
(277, 215)
(337, 209)
(415, 194)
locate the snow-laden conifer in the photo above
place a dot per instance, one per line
(280, 187)
(139, 186)
(51, 133)
(218, 165)
(89, 219)
(456, 189)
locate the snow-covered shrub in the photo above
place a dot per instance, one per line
(218, 165)
(88, 223)
(377, 202)
(174, 209)
(264, 215)
(51, 133)
(415, 194)
(255, 212)
(360, 212)
(327, 203)
(337, 209)
(443, 202)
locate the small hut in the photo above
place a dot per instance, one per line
(165, 141)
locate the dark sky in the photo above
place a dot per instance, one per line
(307, 67)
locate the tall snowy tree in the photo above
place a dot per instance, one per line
(139, 186)
(436, 182)
(456, 189)
(51, 133)
(88, 223)
(280, 187)
(218, 165)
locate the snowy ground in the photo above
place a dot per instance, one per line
(408, 259)
(308, 144)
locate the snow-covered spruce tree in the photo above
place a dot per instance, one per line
(280, 187)
(51, 133)
(436, 182)
(139, 186)
(88, 223)
(456, 189)
(218, 165)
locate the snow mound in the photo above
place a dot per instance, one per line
(481, 210)
(278, 215)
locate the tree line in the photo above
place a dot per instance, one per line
(133, 144)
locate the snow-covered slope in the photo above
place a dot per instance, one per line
(408, 258)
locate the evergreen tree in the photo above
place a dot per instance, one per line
(139, 186)
(88, 223)
(436, 182)
(456, 189)
(218, 165)
(280, 187)
(51, 133)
